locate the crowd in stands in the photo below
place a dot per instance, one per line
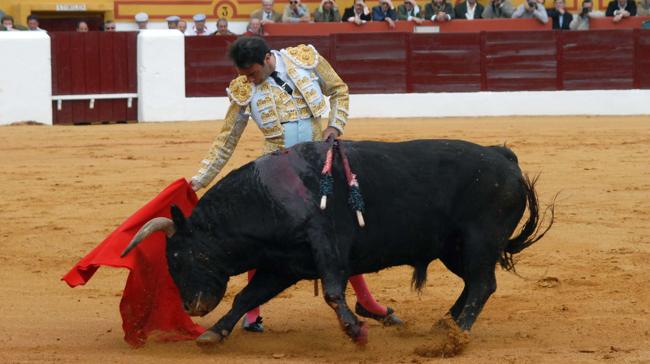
(359, 13)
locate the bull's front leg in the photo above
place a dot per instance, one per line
(332, 264)
(264, 286)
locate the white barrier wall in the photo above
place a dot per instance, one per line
(25, 77)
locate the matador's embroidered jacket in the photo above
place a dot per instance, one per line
(273, 108)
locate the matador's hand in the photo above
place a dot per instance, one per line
(331, 131)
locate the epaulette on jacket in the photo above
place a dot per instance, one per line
(304, 56)
(241, 91)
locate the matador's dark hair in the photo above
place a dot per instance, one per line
(248, 50)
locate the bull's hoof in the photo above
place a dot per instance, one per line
(389, 319)
(208, 339)
(361, 337)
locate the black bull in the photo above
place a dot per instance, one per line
(428, 199)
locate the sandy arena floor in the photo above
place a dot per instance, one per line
(582, 294)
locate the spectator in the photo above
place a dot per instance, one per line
(560, 17)
(295, 12)
(199, 26)
(498, 9)
(469, 9)
(409, 11)
(385, 11)
(438, 10)
(531, 9)
(643, 8)
(82, 26)
(32, 23)
(142, 20)
(110, 26)
(222, 28)
(172, 22)
(327, 12)
(8, 23)
(620, 9)
(581, 21)
(255, 27)
(182, 26)
(357, 13)
(266, 14)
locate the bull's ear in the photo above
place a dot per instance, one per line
(178, 218)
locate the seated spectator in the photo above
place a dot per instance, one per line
(182, 26)
(531, 9)
(643, 8)
(255, 27)
(8, 23)
(620, 9)
(560, 17)
(199, 28)
(438, 10)
(498, 9)
(469, 9)
(266, 14)
(357, 13)
(327, 12)
(32, 23)
(82, 26)
(295, 12)
(142, 20)
(222, 28)
(581, 20)
(409, 11)
(110, 26)
(385, 11)
(172, 21)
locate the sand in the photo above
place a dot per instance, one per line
(582, 294)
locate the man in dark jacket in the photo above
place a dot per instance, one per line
(560, 17)
(620, 9)
(469, 9)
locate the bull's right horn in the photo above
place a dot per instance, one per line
(153, 225)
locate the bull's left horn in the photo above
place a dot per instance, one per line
(153, 225)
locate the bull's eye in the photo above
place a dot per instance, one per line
(175, 255)
(202, 257)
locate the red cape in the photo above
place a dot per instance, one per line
(150, 302)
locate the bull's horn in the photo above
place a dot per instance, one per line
(153, 225)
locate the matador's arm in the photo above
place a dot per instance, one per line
(223, 146)
(334, 87)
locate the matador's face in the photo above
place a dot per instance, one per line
(258, 73)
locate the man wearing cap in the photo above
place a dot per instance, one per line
(172, 22)
(141, 19)
(266, 14)
(199, 27)
(284, 92)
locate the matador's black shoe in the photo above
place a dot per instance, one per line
(253, 327)
(390, 319)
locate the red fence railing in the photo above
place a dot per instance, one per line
(90, 64)
(454, 62)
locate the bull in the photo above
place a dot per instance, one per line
(424, 200)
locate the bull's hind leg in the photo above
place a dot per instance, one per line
(479, 258)
(331, 262)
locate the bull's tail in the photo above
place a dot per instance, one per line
(530, 232)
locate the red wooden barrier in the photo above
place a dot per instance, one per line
(372, 62)
(93, 63)
(642, 58)
(598, 60)
(517, 61)
(208, 70)
(633, 22)
(445, 62)
(487, 61)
